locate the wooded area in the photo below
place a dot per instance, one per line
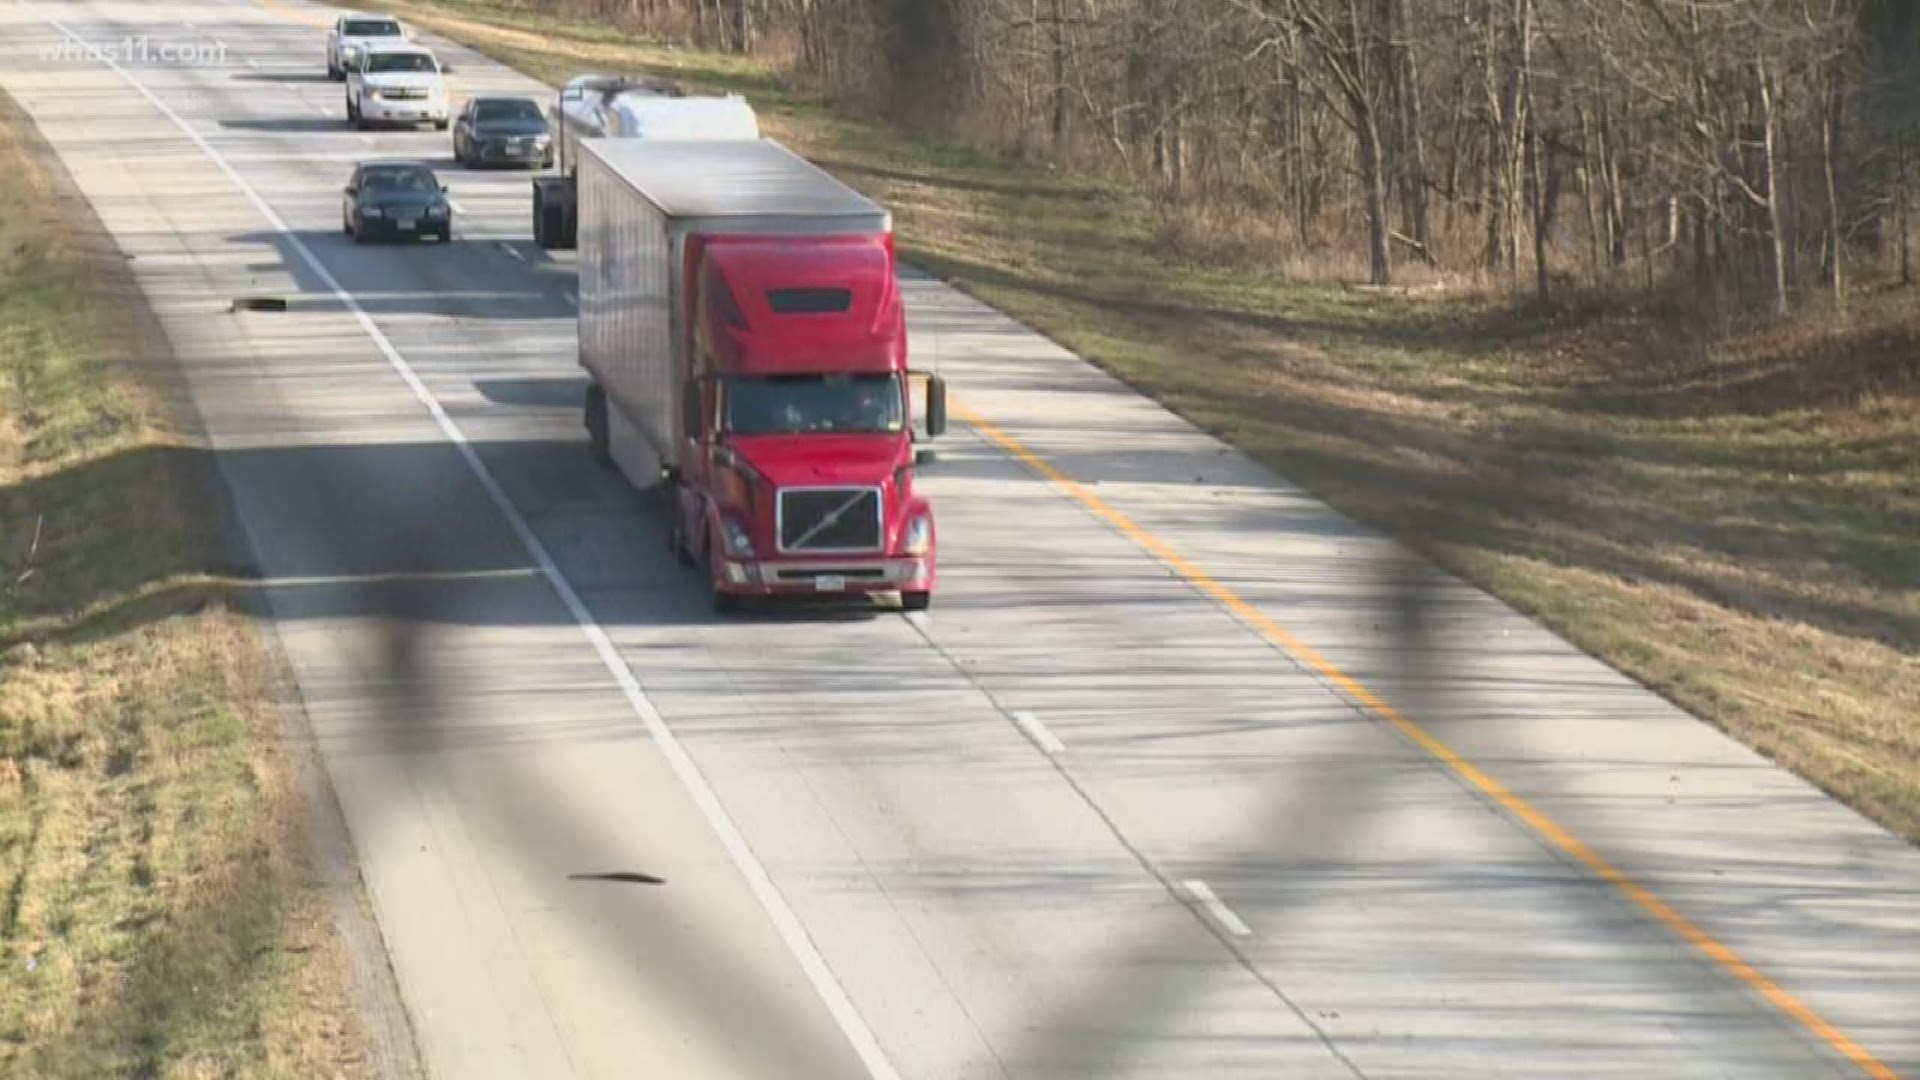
(1760, 148)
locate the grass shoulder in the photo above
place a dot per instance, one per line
(159, 915)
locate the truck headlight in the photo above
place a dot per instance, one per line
(919, 538)
(736, 541)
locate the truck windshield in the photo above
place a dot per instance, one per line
(371, 28)
(808, 404)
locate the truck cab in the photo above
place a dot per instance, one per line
(800, 450)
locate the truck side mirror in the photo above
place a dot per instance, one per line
(936, 406)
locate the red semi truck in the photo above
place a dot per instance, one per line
(746, 341)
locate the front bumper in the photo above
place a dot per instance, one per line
(850, 577)
(511, 152)
(390, 226)
(402, 112)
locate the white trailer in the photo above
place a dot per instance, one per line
(604, 106)
(640, 203)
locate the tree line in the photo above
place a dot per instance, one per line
(1764, 147)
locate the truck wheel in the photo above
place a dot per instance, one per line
(677, 532)
(598, 440)
(916, 601)
(726, 603)
(539, 219)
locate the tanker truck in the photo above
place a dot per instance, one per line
(624, 107)
(745, 341)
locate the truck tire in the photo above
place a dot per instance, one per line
(677, 526)
(545, 234)
(726, 603)
(599, 441)
(553, 213)
(916, 601)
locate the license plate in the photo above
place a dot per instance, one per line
(405, 223)
(829, 583)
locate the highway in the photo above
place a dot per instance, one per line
(1164, 785)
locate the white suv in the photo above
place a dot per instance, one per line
(396, 84)
(352, 33)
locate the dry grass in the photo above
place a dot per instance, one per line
(1733, 522)
(158, 916)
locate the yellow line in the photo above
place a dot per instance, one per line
(1534, 818)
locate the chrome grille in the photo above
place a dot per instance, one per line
(404, 93)
(830, 519)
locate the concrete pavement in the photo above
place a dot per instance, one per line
(1091, 817)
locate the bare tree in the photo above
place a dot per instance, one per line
(1700, 139)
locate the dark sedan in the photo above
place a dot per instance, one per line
(397, 200)
(502, 131)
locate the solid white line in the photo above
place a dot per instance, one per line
(508, 247)
(572, 300)
(251, 62)
(1037, 731)
(852, 1025)
(1217, 908)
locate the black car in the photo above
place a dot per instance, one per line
(395, 200)
(502, 130)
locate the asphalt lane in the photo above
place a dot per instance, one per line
(1085, 819)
